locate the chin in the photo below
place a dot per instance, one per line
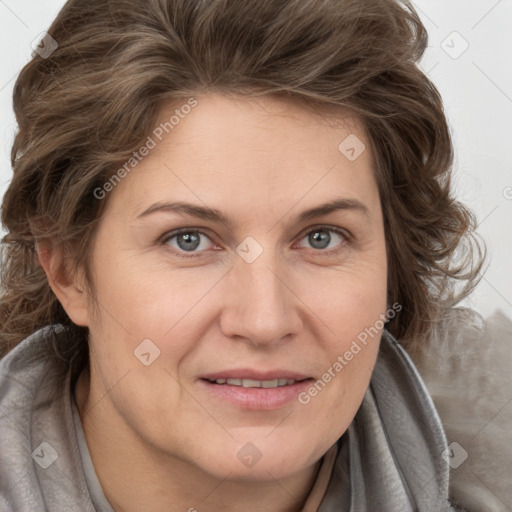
(258, 461)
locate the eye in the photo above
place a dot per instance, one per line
(186, 241)
(189, 243)
(320, 238)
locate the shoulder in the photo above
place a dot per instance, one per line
(467, 370)
(21, 372)
(29, 368)
(36, 428)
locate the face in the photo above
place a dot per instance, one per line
(256, 290)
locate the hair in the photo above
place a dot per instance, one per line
(83, 110)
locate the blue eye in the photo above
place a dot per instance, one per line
(188, 240)
(188, 243)
(320, 238)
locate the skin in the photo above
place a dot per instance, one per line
(157, 438)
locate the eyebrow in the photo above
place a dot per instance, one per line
(214, 215)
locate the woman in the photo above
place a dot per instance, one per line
(222, 218)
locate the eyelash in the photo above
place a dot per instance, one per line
(328, 252)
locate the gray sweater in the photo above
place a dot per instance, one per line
(392, 458)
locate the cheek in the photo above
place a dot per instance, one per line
(353, 300)
(147, 299)
(335, 396)
(152, 316)
(353, 308)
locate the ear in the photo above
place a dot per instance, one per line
(68, 285)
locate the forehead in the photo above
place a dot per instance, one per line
(251, 152)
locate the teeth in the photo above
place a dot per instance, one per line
(250, 383)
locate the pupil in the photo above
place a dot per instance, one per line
(190, 239)
(319, 237)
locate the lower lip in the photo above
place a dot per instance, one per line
(257, 398)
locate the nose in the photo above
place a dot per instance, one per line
(259, 304)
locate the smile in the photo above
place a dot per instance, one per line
(251, 383)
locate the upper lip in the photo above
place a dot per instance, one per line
(247, 373)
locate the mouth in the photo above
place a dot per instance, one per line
(252, 383)
(250, 393)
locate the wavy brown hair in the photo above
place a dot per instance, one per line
(83, 110)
